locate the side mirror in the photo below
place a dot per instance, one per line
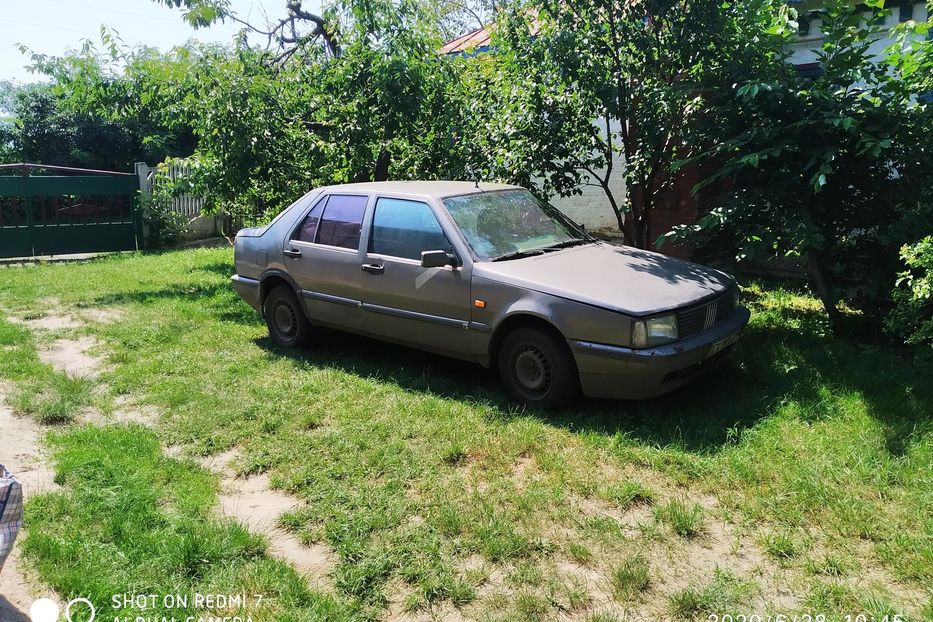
(435, 259)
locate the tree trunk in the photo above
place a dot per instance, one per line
(818, 275)
(382, 166)
(620, 219)
(619, 213)
(638, 200)
(381, 172)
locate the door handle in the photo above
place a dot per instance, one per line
(373, 268)
(291, 252)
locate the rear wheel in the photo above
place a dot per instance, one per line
(288, 325)
(537, 367)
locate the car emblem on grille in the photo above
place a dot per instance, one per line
(710, 315)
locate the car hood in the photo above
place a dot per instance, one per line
(620, 278)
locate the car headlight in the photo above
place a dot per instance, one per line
(654, 331)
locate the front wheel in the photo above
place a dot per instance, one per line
(537, 367)
(288, 325)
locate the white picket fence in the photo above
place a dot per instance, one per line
(187, 205)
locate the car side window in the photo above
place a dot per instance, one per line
(308, 228)
(403, 228)
(341, 221)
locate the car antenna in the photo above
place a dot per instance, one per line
(476, 179)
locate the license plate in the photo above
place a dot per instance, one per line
(725, 342)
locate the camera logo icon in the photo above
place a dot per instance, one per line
(47, 610)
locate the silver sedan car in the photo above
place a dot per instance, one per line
(490, 274)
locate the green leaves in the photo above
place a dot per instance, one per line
(919, 277)
(830, 167)
(912, 316)
(612, 82)
(200, 13)
(750, 90)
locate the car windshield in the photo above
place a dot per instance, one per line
(511, 224)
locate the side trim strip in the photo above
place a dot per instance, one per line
(339, 300)
(411, 315)
(414, 315)
(245, 280)
(605, 349)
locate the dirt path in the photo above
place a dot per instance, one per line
(254, 503)
(251, 501)
(70, 356)
(21, 453)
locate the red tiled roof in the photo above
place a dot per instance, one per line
(468, 42)
(480, 39)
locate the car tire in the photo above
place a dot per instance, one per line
(536, 366)
(286, 319)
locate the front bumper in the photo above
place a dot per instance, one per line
(616, 372)
(248, 289)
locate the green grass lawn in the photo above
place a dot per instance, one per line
(798, 478)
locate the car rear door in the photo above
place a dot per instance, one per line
(323, 254)
(403, 302)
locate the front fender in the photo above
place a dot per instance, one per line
(504, 303)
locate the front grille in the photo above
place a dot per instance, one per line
(691, 320)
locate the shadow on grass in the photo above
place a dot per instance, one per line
(772, 366)
(786, 355)
(217, 298)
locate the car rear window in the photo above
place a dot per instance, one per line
(342, 221)
(308, 228)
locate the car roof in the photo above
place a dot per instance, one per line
(433, 189)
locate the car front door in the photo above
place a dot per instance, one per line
(402, 301)
(323, 255)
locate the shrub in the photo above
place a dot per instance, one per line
(912, 317)
(163, 225)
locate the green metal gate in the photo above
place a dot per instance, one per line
(64, 214)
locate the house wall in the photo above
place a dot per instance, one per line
(804, 49)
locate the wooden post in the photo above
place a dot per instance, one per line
(144, 173)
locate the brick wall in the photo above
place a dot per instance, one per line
(676, 206)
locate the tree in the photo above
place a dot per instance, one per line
(143, 92)
(8, 148)
(366, 98)
(300, 27)
(458, 17)
(586, 81)
(831, 169)
(8, 89)
(46, 131)
(8, 151)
